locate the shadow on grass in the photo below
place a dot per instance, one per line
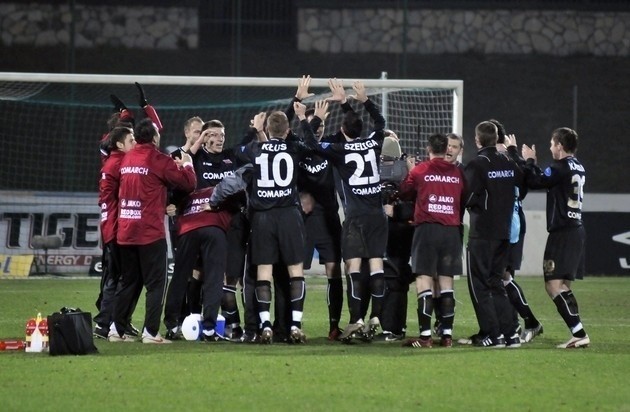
(323, 348)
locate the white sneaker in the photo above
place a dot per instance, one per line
(266, 336)
(296, 335)
(575, 343)
(374, 324)
(157, 339)
(115, 337)
(529, 334)
(352, 329)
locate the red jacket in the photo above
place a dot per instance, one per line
(439, 188)
(145, 174)
(193, 216)
(108, 195)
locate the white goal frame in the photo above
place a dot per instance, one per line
(457, 86)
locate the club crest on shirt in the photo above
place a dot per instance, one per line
(549, 266)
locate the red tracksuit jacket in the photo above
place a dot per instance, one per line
(193, 216)
(108, 195)
(439, 187)
(145, 174)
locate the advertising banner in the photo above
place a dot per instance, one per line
(607, 243)
(72, 216)
(15, 266)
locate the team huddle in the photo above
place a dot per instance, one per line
(253, 214)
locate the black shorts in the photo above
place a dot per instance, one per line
(564, 254)
(323, 232)
(364, 237)
(277, 235)
(436, 250)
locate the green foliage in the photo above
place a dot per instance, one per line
(322, 375)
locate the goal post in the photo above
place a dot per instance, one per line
(51, 124)
(67, 113)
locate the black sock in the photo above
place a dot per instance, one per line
(517, 299)
(377, 291)
(437, 307)
(425, 309)
(568, 308)
(334, 299)
(263, 301)
(447, 302)
(229, 307)
(354, 295)
(298, 293)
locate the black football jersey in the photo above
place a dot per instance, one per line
(316, 177)
(275, 162)
(564, 180)
(211, 168)
(359, 182)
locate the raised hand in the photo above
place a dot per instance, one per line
(302, 90)
(337, 90)
(300, 110)
(184, 159)
(119, 106)
(321, 109)
(142, 99)
(259, 121)
(510, 140)
(360, 92)
(528, 153)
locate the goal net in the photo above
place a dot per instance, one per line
(51, 124)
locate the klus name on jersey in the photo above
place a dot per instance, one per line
(274, 148)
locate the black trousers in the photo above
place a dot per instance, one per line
(398, 276)
(208, 243)
(142, 265)
(486, 261)
(237, 237)
(110, 285)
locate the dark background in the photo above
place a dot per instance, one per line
(530, 94)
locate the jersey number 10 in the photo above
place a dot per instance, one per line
(276, 179)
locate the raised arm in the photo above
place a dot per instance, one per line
(320, 114)
(194, 148)
(125, 115)
(372, 109)
(310, 141)
(339, 95)
(535, 177)
(231, 185)
(148, 109)
(300, 94)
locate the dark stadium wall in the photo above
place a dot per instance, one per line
(532, 94)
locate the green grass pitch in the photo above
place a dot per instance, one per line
(324, 376)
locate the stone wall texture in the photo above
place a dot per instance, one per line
(550, 32)
(358, 30)
(37, 24)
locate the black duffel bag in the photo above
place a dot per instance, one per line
(70, 332)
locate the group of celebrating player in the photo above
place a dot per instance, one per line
(252, 215)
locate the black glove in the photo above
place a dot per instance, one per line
(119, 106)
(143, 98)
